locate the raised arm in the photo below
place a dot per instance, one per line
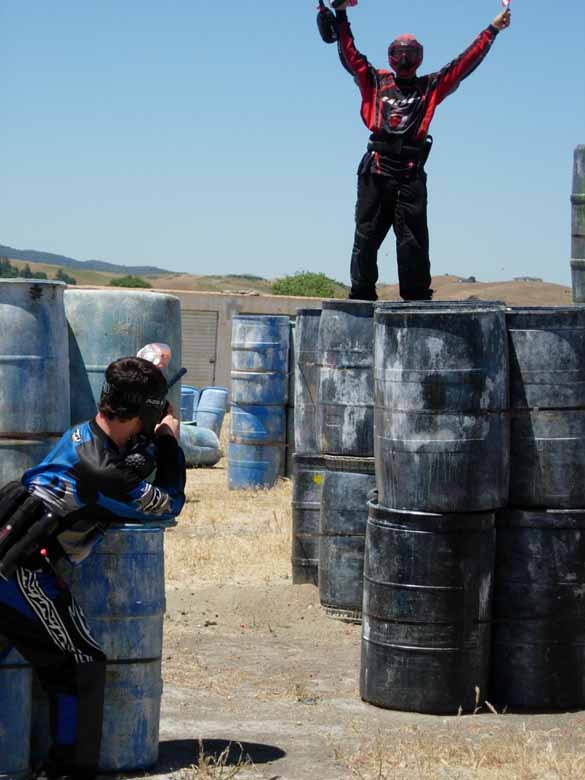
(352, 60)
(453, 74)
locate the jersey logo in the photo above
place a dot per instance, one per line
(76, 436)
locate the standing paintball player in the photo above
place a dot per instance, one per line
(96, 474)
(397, 108)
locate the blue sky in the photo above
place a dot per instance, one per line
(212, 137)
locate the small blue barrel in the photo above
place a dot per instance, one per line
(121, 590)
(189, 400)
(15, 717)
(256, 449)
(200, 445)
(211, 408)
(108, 324)
(34, 360)
(260, 342)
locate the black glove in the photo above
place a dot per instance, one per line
(327, 24)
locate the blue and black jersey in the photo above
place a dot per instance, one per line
(91, 483)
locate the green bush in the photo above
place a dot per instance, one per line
(129, 281)
(63, 276)
(7, 270)
(307, 284)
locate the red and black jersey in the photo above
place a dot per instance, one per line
(397, 111)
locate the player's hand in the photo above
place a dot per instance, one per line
(502, 20)
(169, 425)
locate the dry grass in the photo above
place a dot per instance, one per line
(469, 749)
(244, 534)
(222, 767)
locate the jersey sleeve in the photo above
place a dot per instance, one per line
(453, 74)
(119, 487)
(351, 59)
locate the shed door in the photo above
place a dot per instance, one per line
(199, 346)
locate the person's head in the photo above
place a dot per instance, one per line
(405, 55)
(135, 389)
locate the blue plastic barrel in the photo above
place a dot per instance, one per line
(15, 717)
(260, 378)
(189, 402)
(211, 408)
(260, 342)
(200, 445)
(120, 588)
(34, 367)
(108, 324)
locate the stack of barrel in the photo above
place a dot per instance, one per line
(334, 465)
(442, 454)
(539, 599)
(260, 378)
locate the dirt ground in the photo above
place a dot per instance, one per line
(252, 659)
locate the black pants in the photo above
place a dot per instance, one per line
(40, 618)
(383, 202)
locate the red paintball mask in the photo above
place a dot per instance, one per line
(405, 55)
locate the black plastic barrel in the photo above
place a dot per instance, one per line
(290, 409)
(547, 396)
(441, 391)
(578, 226)
(306, 506)
(306, 380)
(428, 582)
(347, 483)
(345, 418)
(15, 717)
(539, 610)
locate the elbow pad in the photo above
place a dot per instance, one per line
(327, 24)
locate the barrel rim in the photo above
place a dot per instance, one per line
(30, 282)
(437, 522)
(381, 306)
(309, 312)
(308, 458)
(543, 518)
(104, 291)
(363, 309)
(348, 464)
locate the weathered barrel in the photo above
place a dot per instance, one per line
(306, 507)
(256, 450)
(547, 396)
(539, 610)
(120, 588)
(428, 581)
(306, 369)
(260, 346)
(441, 395)
(345, 416)
(257, 445)
(189, 401)
(578, 226)
(212, 408)
(105, 325)
(290, 409)
(34, 370)
(200, 446)
(15, 717)
(347, 484)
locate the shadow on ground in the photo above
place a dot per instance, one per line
(181, 753)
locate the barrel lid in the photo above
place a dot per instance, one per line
(434, 522)
(278, 318)
(31, 282)
(437, 308)
(544, 311)
(349, 465)
(355, 308)
(308, 312)
(552, 519)
(392, 305)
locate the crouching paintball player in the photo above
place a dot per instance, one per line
(397, 107)
(97, 473)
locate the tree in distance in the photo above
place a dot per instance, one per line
(129, 281)
(63, 276)
(308, 284)
(9, 271)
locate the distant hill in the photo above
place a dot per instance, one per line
(33, 256)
